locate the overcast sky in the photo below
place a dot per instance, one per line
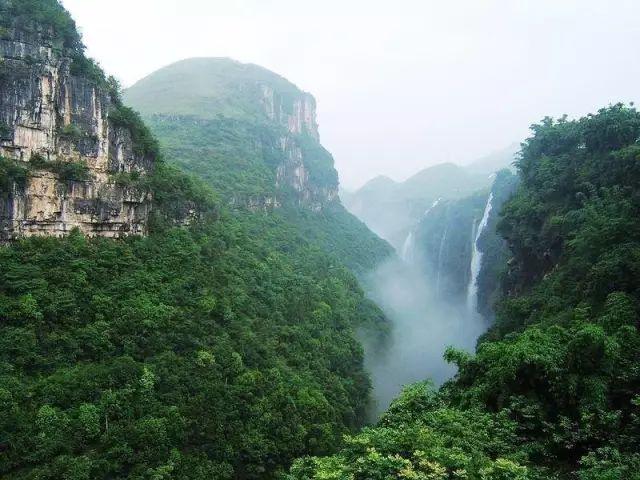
(400, 84)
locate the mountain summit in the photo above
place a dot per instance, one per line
(250, 132)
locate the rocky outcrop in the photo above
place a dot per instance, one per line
(222, 116)
(52, 118)
(293, 172)
(297, 117)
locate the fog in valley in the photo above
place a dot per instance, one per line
(423, 322)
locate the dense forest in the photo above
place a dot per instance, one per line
(222, 344)
(553, 389)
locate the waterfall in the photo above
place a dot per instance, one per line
(443, 241)
(433, 205)
(407, 248)
(476, 259)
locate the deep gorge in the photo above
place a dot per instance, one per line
(187, 293)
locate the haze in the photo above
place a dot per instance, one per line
(400, 85)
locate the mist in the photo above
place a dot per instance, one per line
(424, 323)
(399, 86)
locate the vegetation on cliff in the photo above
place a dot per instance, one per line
(214, 119)
(45, 16)
(221, 345)
(553, 389)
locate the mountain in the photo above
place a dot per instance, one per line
(552, 389)
(496, 161)
(248, 131)
(392, 209)
(66, 140)
(253, 137)
(203, 329)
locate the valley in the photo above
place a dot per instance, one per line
(187, 292)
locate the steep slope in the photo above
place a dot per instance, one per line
(253, 136)
(65, 138)
(552, 391)
(392, 209)
(442, 244)
(248, 131)
(221, 345)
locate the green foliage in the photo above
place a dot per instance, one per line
(218, 352)
(11, 172)
(556, 380)
(220, 346)
(560, 357)
(177, 198)
(238, 159)
(144, 143)
(65, 171)
(227, 154)
(82, 66)
(422, 438)
(47, 16)
(71, 132)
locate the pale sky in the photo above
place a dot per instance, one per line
(401, 84)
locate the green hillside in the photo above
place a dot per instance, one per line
(207, 88)
(220, 346)
(392, 209)
(210, 117)
(553, 390)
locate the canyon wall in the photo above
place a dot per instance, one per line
(55, 125)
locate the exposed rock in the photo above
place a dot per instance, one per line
(226, 100)
(48, 114)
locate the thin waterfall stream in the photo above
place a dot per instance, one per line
(476, 258)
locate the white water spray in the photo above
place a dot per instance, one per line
(443, 241)
(476, 259)
(433, 205)
(407, 248)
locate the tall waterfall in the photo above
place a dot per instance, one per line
(407, 248)
(443, 241)
(476, 259)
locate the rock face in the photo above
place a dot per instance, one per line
(273, 116)
(51, 120)
(298, 118)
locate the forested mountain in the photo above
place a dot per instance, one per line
(553, 389)
(252, 135)
(187, 307)
(392, 209)
(218, 345)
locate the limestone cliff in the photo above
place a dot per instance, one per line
(55, 123)
(292, 171)
(250, 132)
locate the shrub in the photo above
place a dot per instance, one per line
(71, 132)
(144, 143)
(11, 172)
(71, 171)
(66, 171)
(37, 160)
(88, 68)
